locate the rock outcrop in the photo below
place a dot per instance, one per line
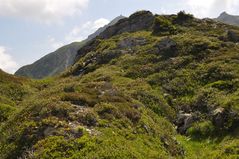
(142, 20)
(131, 42)
(224, 119)
(167, 47)
(233, 36)
(185, 121)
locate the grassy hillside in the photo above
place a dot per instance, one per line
(12, 92)
(169, 90)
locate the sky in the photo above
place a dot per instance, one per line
(30, 29)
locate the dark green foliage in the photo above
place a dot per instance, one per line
(89, 119)
(106, 57)
(215, 73)
(163, 26)
(79, 99)
(202, 129)
(5, 112)
(108, 111)
(183, 17)
(156, 103)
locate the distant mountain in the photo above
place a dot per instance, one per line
(53, 63)
(228, 19)
(56, 62)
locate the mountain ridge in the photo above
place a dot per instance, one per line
(228, 19)
(57, 61)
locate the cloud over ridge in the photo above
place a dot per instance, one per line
(42, 10)
(6, 62)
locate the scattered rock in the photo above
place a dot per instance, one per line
(224, 118)
(132, 42)
(146, 128)
(185, 121)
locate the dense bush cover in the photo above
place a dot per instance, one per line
(126, 98)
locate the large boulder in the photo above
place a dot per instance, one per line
(185, 121)
(167, 48)
(233, 36)
(224, 119)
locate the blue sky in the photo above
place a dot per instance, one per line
(30, 29)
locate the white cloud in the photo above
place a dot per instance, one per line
(99, 23)
(81, 32)
(78, 33)
(46, 11)
(54, 43)
(212, 8)
(6, 62)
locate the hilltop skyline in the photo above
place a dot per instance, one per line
(33, 29)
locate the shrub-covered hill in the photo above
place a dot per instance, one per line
(150, 86)
(12, 91)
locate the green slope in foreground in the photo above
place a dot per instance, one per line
(169, 90)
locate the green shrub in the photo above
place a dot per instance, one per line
(162, 26)
(216, 72)
(183, 17)
(108, 111)
(142, 71)
(69, 89)
(231, 149)
(133, 115)
(202, 129)
(223, 85)
(159, 78)
(81, 99)
(89, 119)
(106, 56)
(204, 100)
(155, 103)
(179, 86)
(199, 46)
(5, 112)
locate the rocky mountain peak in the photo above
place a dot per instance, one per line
(140, 20)
(224, 14)
(228, 19)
